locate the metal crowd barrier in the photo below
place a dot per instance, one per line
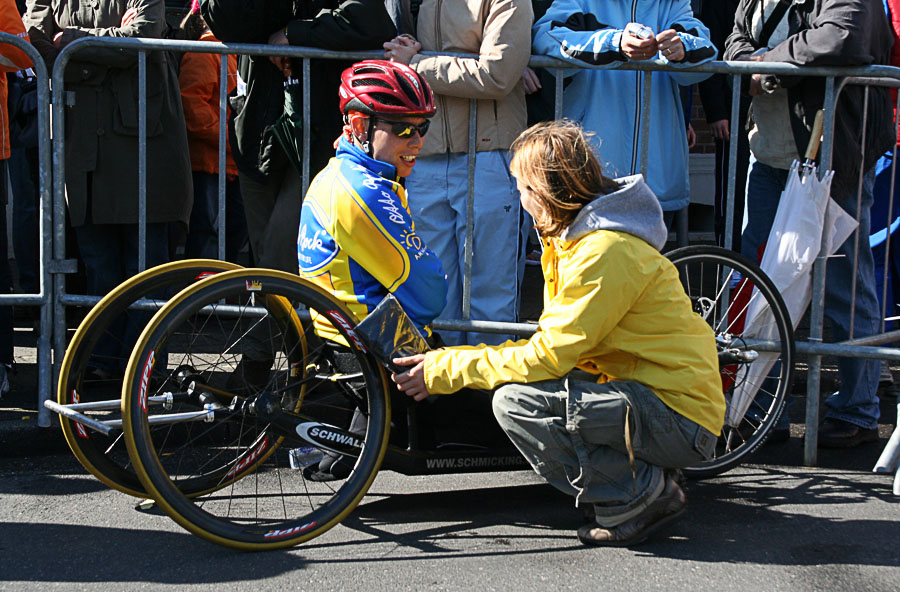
(42, 298)
(836, 78)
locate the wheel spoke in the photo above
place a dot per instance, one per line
(723, 299)
(245, 493)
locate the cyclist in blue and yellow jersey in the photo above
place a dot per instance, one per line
(357, 239)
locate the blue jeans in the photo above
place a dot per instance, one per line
(856, 401)
(203, 241)
(437, 190)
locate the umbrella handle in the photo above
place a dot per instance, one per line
(816, 138)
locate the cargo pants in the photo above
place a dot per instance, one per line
(606, 444)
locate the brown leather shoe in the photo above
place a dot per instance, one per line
(834, 433)
(668, 507)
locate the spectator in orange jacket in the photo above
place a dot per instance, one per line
(11, 59)
(199, 82)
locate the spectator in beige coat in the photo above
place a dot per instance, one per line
(500, 36)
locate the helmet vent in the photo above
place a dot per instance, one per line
(407, 88)
(368, 70)
(370, 82)
(386, 99)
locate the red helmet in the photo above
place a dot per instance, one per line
(379, 87)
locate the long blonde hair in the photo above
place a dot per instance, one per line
(554, 159)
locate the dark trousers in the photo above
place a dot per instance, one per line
(740, 186)
(202, 239)
(273, 217)
(6, 317)
(23, 180)
(110, 255)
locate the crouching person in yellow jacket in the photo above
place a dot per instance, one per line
(613, 307)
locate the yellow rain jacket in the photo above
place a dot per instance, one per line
(614, 307)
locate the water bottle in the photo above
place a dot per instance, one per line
(305, 456)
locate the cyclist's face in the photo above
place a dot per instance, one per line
(400, 152)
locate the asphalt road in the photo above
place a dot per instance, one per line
(760, 527)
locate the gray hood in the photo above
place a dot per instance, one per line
(633, 209)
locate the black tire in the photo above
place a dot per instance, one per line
(79, 382)
(255, 500)
(704, 272)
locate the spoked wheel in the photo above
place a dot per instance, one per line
(756, 354)
(262, 400)
(91, 371)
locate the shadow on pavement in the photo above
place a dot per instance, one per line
(763, 516)
(48, 485)
(536, 506)
(771, 516)
(103, 554)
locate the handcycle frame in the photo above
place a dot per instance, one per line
(406, 457)
(412, 448)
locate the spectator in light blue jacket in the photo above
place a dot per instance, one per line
(592, 32)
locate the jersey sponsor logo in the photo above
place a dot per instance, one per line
(338, 318)
(391, 208)
(412, 241)
(278, 534)
(253, 285)
(249, 459)
(370, 182)
(145, 381)
(313, 250)
(312, 243)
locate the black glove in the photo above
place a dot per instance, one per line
(69, 35)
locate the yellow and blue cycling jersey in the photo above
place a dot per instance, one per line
(357, 240)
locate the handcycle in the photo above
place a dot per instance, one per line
(232, 455)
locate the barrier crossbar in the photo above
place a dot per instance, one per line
(835, 80)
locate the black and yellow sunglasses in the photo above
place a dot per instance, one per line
(404, 129)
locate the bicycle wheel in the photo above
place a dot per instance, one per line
(96, 357)
(253, 387)
(722, 285)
